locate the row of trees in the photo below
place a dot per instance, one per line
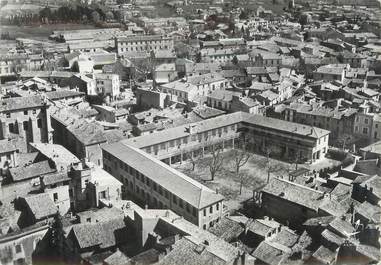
(238, 158)
(64, 14)
(76, 13)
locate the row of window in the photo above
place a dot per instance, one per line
(193, 138)
(25, 124)
(26, 112)
(145, 42)
(143, 180)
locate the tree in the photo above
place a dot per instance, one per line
(243, 180)
(95, 16)
(215, 164)
(345, 141)
(290, 5)
(240, 158)
(244, 15)
(269, 150)
(193, 159)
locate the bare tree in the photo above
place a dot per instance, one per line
(344, 141)
(240, 158)
(268, 151)
(243, 180)
(194, 159)
(215, 164)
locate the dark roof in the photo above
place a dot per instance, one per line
(31, 171)
(41, 205)
(149, 256)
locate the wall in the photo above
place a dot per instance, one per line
(32, 124)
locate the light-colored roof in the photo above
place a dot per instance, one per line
(181, 131)
(189, 190)
(18, 103)
(295, 193)
(56, 152)
(216, 245)
(285, 126)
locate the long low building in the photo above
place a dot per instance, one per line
(156, 184)
(143, 43)
(139, 162)
(285, 140)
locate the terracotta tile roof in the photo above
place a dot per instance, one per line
(41, 205)
(18, 103)
(31, 171)
(105, 234)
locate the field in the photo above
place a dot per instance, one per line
(40, 32)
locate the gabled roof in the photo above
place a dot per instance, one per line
(295, 193)
(284, 126)
(56, 177)
(41, 205)
(187, 252)
(269, 254)
(184, 187)
(369, 211)
(227, 229)
(117, 258)
(104, 234)
(56, 153)
(62, 93)
(324, 255)
(31, 171)
(18, 103)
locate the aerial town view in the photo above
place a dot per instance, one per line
(190, 132)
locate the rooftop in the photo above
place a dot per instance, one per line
(41, 205)
(194, 193)
(295, 193)
(104, 234)
(19, 103)
(55, 152)
(30, 171)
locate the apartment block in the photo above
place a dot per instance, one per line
(154, 183)
(144, 43)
